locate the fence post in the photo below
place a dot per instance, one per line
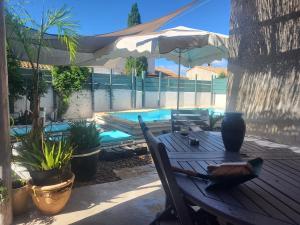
(133, 98)
(143, 89)
(159, 89)
(134, 86)
(196, 81)
(110, 91)
(93, 90)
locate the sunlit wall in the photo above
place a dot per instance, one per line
(264, 67)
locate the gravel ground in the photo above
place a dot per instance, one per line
(105, 169)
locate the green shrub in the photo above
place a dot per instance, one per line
(3, 192)
(66, 80)
(214, 118)
(43, 156)
(84, 135)
(18, 183)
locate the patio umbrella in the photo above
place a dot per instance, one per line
(183, 45)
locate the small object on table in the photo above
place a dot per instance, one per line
(193, 141)
(184, 133)
(230, 169)
(195, 128)
(227, 175)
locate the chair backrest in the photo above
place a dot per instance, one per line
(155, 160)
(163, 166)
(183, 119)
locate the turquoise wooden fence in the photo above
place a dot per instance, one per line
(109, 82)
(102, 81)
(152, 84)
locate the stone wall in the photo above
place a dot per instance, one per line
(264, 67)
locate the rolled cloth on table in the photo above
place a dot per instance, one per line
(230, 169)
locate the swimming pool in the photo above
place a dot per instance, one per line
(105, 136)
(152, 115)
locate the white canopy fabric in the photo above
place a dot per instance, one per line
(56, 53)
(197, 46)
(183, 45)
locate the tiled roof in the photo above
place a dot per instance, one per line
(166, 72)
(27, 65)
(216, 70)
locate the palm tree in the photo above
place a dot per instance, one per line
(31, 35)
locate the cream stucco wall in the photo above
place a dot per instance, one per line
(201, 74)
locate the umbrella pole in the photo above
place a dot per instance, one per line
(178, 78)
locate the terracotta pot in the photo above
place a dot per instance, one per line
(20, 200)
(52, 199)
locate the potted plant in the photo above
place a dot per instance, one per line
(3, 197)
(19, 196)
(48, 165)
(85, 138)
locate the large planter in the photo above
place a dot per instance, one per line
(20, 199)
(52, 199)
(48, 177)
(233, 131)
(84, 165)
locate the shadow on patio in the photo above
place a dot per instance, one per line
(130, 201)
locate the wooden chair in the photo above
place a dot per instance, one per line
(189, 119)
(177, 211)
(169, 208)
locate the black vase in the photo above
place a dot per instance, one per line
(233, 131)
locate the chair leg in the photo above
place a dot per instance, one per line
(167, 214)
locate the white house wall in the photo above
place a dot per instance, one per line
(81, 102)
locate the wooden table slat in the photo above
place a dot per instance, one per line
(273, 198)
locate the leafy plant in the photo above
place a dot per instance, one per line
(42, 89)
(45, 156)
(67, 80)
(3, 192)
(221, 75)
(134, 17)
(15, 81)
(24, 119)
(84, 135)
(214, 118)
(18, 183)
(31, 35)
(140, 63)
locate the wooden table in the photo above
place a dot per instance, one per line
(273, 198)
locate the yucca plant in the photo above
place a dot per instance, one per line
(84, 135)
(45, 156)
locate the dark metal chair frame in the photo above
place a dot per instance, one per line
(186, 118)
(176, 207)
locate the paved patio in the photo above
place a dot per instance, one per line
(133, 201)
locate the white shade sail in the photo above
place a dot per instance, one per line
(56, 53)
(197, 46)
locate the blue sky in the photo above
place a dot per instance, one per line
(103, 16)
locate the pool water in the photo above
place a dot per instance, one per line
(153, 115)
(52, 127)
(106, 136)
